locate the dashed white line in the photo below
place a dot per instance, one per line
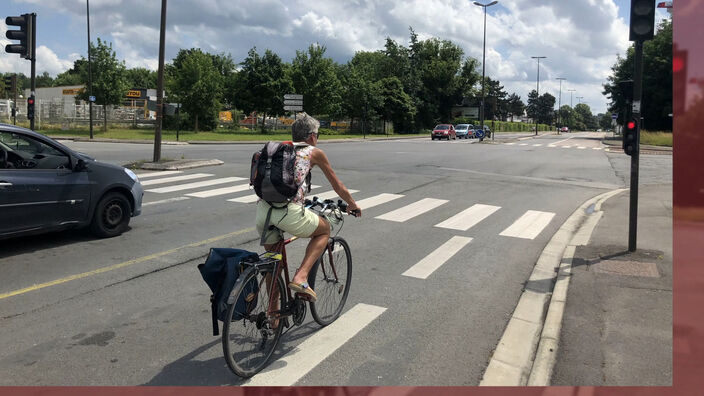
(219, 191)
(383, 198)
(529, 225)
(162, 173)
(425, 267)
(190, 186)
(410, 211)
(468, 217)
(175, 179)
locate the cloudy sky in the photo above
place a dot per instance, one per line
(580, 38)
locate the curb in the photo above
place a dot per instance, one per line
(180, 143)
(526, 352)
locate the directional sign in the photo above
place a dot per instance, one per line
(614, 116)
(293, 108)
(293, 102)
(293, 96)
(91, 98)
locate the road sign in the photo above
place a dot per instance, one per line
(290, 102)
(91, 98)
(614, 116)
(293, 96)
(293, 108)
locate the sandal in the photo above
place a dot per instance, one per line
(304, 289)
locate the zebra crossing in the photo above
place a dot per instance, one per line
(578, 146)
(528, 226)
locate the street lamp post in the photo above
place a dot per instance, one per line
(570, 91)
(90, 75)
(579, 99)
(559, 103)
(481, 110)
(537, 91)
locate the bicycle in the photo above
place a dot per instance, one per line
(259, 322)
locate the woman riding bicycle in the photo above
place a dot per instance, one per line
(293, 217)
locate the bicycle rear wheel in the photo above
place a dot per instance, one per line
(331, 281)
(248, 336)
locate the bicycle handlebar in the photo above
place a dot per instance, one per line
(330, 204)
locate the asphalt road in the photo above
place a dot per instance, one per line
(133, 310)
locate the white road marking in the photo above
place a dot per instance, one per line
(193, 185)
(537, 145)
(162, 173)
(290, 368)
(220, 191)
(468, 217)
(424, 268)
(382, 198)
(523, 144)
(564, 140)
(510, 144)
(330, 194)
(175, 179)
(596, 148)
(566, 146)
(253, 197)
(529, 225)
(551, 145)
(163, 201)
(410, 211)
(581, 147)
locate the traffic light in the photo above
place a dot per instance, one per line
(30, 107)
(626, 88)
(679, 79)
(25, 35)
(630, 136)
(642, 20)
(8, 83)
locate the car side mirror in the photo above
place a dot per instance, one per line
(80, 165)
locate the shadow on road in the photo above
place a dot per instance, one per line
(36, 243)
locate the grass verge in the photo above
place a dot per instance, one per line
(656, 138)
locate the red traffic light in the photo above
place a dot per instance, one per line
(30, 101)
(631, 125)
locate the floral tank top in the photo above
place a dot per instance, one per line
(302, 167)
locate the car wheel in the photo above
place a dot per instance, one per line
(111, 216)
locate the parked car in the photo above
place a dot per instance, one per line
(443, 131)
(46, 186)
(564, 129)
(465, 131)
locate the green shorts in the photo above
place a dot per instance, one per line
(293, 219)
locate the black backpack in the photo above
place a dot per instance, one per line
(272, 173)
(220, 271)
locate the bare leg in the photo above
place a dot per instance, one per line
(276, 247)
(315, 248)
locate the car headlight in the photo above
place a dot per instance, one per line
(131, 174)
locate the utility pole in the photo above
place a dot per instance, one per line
(481, 110)
(559, 103)
(90, 75)
(537, 91)
(160, 86)
(570, 91)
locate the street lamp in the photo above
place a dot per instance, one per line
(90, 75)
(570, 91)
(537, 91)
(481, 110)
(559, 103)
(579, 99)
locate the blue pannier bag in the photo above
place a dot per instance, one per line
(220, 271)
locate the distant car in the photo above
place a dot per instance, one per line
(443, 131)
(45, 186)
(564, 129)
(464, 131)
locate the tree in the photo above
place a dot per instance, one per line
(656, 105)
(397, 105)
(198, 84)
(44, 80)
(541, 108)
(260, 85)
(140, 77)
(567, 117)
(109, 78)
(584, 115)
(605, 120)
(315, 77)
(76, 75)
(496, 103)
(515, 106)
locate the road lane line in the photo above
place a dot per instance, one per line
(529, 225)
(122, 265)
(510, 144)
(523, 144)
(382, 198)
(467, 218)
(596, 148)
(163, 201)
(162, 173)
(581, 147)
(189, 186)
(290, 368)
(551, 145)
(175, 179)
(253, 197)
(410, 211)
(220, 191)
(537, 145)
(566, 146)
(564, 140)
(425, 267)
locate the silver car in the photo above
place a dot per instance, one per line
(46, 186)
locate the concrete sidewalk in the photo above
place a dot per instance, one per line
(617, 321)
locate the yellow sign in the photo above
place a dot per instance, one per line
(72, 91)
(134, 94)
(226, 116)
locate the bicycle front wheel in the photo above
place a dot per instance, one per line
(330, 277)
(252, 329)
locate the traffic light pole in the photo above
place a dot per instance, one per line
(33, 86)
(636, 111)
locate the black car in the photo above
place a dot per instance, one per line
(46, 186)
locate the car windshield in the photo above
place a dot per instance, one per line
(441, 127)
(462, 127)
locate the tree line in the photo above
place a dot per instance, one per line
(414, 87)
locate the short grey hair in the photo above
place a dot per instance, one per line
(303, 127)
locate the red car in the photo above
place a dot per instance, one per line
(443, 131)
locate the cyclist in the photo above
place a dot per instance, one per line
(294, 218)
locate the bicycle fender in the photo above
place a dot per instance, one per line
(238, 284)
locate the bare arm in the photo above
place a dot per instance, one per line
(318, 158)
